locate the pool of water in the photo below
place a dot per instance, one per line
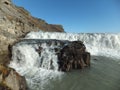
(104, 74)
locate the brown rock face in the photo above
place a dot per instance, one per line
(73, 56)
(11, 80)
(15, 22)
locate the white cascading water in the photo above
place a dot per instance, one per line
(37, 68)
(103, 44)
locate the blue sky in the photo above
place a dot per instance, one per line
(77, 15)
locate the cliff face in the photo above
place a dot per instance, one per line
(15, 22)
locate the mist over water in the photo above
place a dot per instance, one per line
(42, 75)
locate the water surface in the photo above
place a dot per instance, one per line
(104, 74)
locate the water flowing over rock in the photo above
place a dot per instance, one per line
(51, 54)
(11, 80)
(103, 44)
(42, 59)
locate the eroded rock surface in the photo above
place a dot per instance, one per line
(11, 80)
(73, 56)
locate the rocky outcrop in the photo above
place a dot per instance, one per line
(11, 80)
(15, 22)
(73, 56)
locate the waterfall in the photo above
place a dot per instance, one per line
(37, 60)
(35, 56)
(103, 44)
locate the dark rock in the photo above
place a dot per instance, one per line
(39, 50)
(95, 59)
(73, 56)
(10, 51)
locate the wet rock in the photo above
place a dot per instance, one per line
(39, 50)
(11, 80)
(73, 56)
(95, 59)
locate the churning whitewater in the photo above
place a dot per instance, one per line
(103, 44)
(39, 70)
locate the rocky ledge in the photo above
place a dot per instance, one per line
(11, 80)
(73, 56)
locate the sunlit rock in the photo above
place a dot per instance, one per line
(11, 80)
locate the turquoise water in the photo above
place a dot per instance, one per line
(104, 74)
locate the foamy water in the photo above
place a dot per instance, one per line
(103, 44)
(37, 68)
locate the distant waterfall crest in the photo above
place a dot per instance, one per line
(96, 43)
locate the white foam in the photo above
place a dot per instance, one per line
(104, 44)
(27, 62)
